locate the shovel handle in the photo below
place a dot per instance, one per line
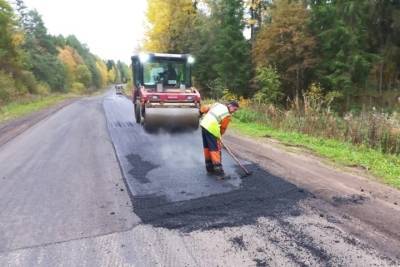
(235, 158)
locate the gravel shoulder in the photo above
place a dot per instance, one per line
(372, 208)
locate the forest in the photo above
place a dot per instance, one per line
(329, 69)
(345, 51)
(34, 62)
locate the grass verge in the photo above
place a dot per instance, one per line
(385, 167)
(24, 107)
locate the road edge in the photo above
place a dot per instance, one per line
(13, 128)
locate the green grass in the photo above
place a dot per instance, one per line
(24, 107)
(385, 167)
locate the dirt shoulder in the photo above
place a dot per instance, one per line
(13, 128)
(373, 207)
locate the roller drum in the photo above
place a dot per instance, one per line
(171, 118)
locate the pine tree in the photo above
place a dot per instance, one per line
(232, 51)
(341, 29)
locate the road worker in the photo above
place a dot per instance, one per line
(214, 123)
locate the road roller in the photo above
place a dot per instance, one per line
(163, 95)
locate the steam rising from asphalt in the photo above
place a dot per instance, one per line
(181, 168)
(183, 151)
(164, 163)
(179, 145)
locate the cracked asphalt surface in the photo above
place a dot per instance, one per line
(88, 187)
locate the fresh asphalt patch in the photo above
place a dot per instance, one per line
(169, 185)
(259, 196)
(163, 164)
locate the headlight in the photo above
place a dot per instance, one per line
(154, 97)
(191, 59)
(189, 97)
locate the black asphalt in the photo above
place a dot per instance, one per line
(170, 188)
(162, 164)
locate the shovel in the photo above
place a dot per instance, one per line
(247, 172)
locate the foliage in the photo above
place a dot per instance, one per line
(385, 167)
(88, 59)
(217, 88)
(78, 88)
(287, 44)
(173, 26)
(118, 72)
(231, 50)
(213, 34)
(125, 74)
(103, 74)
(270, 86)
(43, 89)
(379, 131)
(113, 74)
(204, 50)
(348, 48)
(29, 80)
(41, 53)
(49, 69)
(6, 87)
(83, 75)
(71, 59)
(343, 46)
(35, 62)
(9, 39)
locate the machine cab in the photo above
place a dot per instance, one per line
(162, 72)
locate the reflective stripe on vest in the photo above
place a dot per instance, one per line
(212, 120)
(220, 117)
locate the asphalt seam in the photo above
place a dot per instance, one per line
(4, 252)
(130, 194)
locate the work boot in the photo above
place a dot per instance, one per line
(209, 167)
(219, 172)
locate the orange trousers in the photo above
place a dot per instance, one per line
(212, 148)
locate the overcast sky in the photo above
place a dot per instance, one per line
(111, 29)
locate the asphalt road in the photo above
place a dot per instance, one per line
(88, 187)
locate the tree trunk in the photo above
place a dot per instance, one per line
(259, 15)
(297, 80)
(252, 17)
(380, 78)
(297, 87)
